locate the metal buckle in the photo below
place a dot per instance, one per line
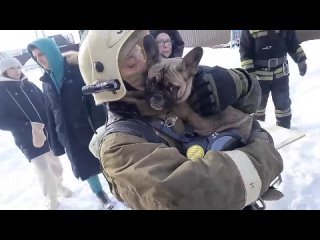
(273, 60)
(285, 68)
(170, 121)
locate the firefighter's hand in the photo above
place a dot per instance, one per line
(212, 92)
(302, 68)
(258, 132)
(202, 99)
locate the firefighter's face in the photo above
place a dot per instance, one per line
(134, 62)
(134, 67)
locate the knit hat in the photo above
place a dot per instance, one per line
(7, 63)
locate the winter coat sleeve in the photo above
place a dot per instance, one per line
(294, 48)
(11, 124)
(154, 176)
(54, 142)
(249, 91)
(97, 114)
(246, 51)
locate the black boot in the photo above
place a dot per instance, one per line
(284, 122)
(259, 117)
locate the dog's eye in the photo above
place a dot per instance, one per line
(173, 88)
(179, 69)
(152, 81)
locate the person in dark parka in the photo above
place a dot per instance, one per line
(73, 116)
(22, 112)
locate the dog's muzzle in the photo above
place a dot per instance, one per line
(157, 102)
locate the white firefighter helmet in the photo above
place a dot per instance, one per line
(99, 59)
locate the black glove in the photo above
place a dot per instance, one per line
(302, 68)
(213, 90)
(258, 132)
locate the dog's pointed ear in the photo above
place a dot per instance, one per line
(152, 50)
(191, 61)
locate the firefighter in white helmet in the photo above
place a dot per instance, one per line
(145, 167)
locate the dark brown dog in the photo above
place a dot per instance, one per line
(169, 84)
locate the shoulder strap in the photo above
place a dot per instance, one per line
(137, 128)
(169, 131)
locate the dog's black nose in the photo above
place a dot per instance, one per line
(157, 97)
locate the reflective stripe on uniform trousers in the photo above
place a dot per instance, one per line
(268, 75)
(260, 112)
(250, 177)
(283, 113)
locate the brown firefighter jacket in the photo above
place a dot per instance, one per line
(155, 176)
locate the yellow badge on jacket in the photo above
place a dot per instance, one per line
(194, 152)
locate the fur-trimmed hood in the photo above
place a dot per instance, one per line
(5, 79)
(178, 43)
(71, 57)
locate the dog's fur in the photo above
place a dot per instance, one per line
(169, 84)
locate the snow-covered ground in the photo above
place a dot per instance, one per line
(19, 187)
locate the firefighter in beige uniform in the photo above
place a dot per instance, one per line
(153, 174)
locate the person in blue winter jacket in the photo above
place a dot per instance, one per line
(22, 112)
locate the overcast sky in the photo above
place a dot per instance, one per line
(15, 39)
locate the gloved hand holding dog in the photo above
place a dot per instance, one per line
(258, 132)
(38, 136)
(210, 94)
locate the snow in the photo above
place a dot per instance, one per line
(19, 188)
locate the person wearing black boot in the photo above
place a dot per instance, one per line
(263, 53)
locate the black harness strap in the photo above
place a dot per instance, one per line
(137, 128)
(161, 127)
